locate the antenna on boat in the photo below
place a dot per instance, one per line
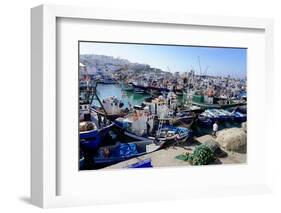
(206, 70)
(199, 65)
(144, 67)
(168, 68)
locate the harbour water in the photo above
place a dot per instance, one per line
(127, 97)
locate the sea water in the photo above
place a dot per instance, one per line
(127, 97)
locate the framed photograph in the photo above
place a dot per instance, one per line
(148, 105)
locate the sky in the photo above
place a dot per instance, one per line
(217, 61)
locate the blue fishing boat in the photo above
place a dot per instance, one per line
(209, 116)
(91, 136)
(141, 164)
(205, 121)
(81, 160)
(240, 114)
(221, 114)
(240, 117)
(108, 155)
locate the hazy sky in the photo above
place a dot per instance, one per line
(221, 61)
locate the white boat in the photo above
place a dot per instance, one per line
(166, 109)
(113, 107)
(142, 125)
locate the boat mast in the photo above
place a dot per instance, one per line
(94, 92)
(199, 66)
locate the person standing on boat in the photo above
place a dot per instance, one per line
(215, 129)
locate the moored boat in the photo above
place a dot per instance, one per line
(139, 90)
(127, 87)
(240, 117)
(143, 125)
(166, 110)
(108, 155)
(141, 164)
(240, 114)
(221, 114)
(113, 108)
(90, 135)
(107, 81)
(209, 116)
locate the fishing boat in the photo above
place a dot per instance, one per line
(154, 91)
(141, 124)
(240, 117)
(185, 119)
(127, 87)
(159, 105)
(141, 164)
(90, 130)
(164, 91)
(240, 114)
(207, 118)
(140, 87)
(166, 110)
(81, 162)
(107, 81)
(138, 90)
(221, 114)
(113, 108)
(179, 91)
(84, 110)
(206, 102)
(90, 135)
(108, 155)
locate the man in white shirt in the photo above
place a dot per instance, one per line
(215, 129)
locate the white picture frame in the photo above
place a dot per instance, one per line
(44, 174)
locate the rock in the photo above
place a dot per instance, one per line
(234, 139)
(215, 147)
(244, 126)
